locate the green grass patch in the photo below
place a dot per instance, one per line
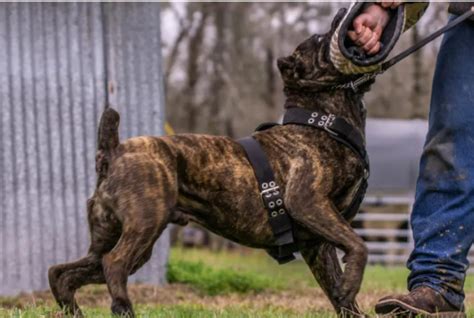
(215, 281)
(296, 274)
(293, 275)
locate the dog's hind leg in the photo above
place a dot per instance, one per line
(132, 251)
(65, 279)
(143, 225)
(324, 264)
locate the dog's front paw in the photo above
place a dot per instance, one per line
(122, 308)
(352, 310)
(345, 293)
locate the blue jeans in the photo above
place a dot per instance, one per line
(443, 215)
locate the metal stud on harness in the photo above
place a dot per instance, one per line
(272, 196)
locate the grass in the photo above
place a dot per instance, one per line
(294, 275)
(179, 311)
(250, 262)
(215, 281)
(225, 284)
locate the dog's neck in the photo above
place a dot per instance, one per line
(342, 103)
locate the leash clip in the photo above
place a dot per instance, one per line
(354, 85)
(364, 79)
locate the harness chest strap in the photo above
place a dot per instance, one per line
(272, 197)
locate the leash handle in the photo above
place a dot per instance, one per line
(386, 65)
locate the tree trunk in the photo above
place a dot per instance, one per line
(270, 93)
(216, 102)
(193, 72)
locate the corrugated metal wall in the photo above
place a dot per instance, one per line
(57, 62)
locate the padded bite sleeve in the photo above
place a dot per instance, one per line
(348, 58)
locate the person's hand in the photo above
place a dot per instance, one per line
(369, 25)
(389, 4)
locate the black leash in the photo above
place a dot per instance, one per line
(388, 64)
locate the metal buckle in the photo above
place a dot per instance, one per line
(275, 188)
(328, 124)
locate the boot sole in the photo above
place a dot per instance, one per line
(391, 308)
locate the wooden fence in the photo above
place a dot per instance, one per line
(388, 236)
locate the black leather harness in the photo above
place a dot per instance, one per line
(272, 196)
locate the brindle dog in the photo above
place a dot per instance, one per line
(145, 183)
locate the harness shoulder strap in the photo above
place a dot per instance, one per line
(338, 128)
(272, 198)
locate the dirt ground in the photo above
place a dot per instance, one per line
(298, 301)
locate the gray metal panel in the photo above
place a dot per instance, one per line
(53, 76)
(136, 88)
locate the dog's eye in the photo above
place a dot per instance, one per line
(300, 67)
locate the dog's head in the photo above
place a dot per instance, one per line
(309, 68)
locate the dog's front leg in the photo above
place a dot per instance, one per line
(316, 213)
(324, 264)
(323, 220)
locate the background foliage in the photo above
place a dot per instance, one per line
(220, 63)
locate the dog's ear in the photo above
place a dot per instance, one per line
(337, 19)
(309, 67)
(286, 65)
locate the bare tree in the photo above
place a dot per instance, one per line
(193, 70)
(221, 64)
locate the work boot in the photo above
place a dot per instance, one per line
(420, 302)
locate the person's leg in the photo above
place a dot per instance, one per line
(443, 215)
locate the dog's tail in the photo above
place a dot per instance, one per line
(107, 141)
(108, 137)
